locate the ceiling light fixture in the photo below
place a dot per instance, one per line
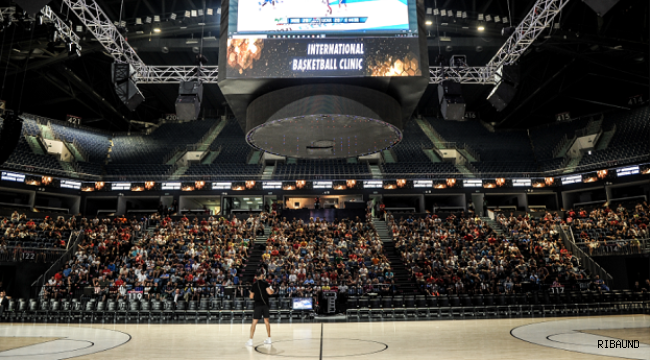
(156, 30)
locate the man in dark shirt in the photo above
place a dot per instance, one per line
(260, 292)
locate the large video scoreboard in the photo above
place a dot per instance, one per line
(322, 38)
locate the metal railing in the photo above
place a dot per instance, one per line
(29, 254)
(80, 149)
(58, 264)
(586, 261)
(616, 247)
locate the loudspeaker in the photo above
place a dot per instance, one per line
(509, 74)
(125, 87)
(501, 95)
(187, 107)
(449, 88)
(32, 6)
(188, 103)
(452, 104)
(12, 129)
(453, 108)
(601, 7)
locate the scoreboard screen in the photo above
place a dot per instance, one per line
(322, 38)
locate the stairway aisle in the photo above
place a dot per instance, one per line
(255, 258)
(402, 278)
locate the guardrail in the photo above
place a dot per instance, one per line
(586, 261)
(58, 264)
(616, 247)
(29, 254)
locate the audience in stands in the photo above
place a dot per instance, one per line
(305, 258)
(604, 229)
(179, 260)
(464, 255)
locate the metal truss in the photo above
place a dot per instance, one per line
(464, 75)
(98, 23)
(64, 32)
(158, 74)
(208, 75)
(539, 18)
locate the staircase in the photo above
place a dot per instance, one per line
(108, 153)
(494, 225)
(180, 171)
(402, 278)
(388, 156)
(571, 166)
(69, 168)
(267, 174)
(432, 155)
(604, 139)
(213, 135)
(35, 145)
(255, 258)
(465, 171)
(46, 132)
(375, 171)
(255, 157)
(437, 141)
(179, 154)
(75, 152)
(209, 159)
(467, 155)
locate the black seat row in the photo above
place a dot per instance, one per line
(141, 310)
(538, 303)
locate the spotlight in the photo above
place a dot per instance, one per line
(165, 50)
(138, 21)
(428, 22)
(464, 14)
(172, 16)
(481, 28)
(497, 19)
(436, 12)
(507, 31)
(459, 14)
(480, 17)
(79, 28)
(443, 12)
(209, 11)
(156, 30)
(488, 17)
(148, 20)
(156, 18)
(449, 48)
(504, 20)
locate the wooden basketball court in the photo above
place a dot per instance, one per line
(538, 338)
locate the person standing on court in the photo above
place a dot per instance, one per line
(260, 292)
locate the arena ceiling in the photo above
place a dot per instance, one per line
(583, 64)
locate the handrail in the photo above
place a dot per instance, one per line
(80, 149)
(38, 171)
(29, 254)
(625, 247)
(585, 259)
(60, 262)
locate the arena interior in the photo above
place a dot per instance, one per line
(368, 179)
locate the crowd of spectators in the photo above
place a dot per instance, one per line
(304, 258)
(461, 254)
(605, 229)
(178, 260)
(21, 236)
